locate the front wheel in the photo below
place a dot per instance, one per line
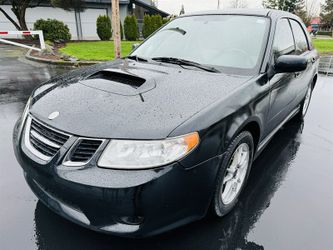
(233, 173)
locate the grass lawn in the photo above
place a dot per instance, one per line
(101, 50)
(323, 46)
(104, 50)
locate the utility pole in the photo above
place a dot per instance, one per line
(116, 28)
(218, 4)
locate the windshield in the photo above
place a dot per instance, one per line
(227, 42)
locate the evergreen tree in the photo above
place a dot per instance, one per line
(157, 22)
(131, 28)
(151, 23)
(147, 26)
(297, 7)
(303, 13)
(103, 25)
(327, 14)
(287, 5)
(165, 20)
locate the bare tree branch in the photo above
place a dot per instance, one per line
(19, 7)
(10, 19)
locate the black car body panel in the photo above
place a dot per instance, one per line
(169, 97)
(101, 198)
(126, 99)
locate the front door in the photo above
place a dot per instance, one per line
(282, 92)
(303, 78)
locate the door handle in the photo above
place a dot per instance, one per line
(313, 60)
(297, 74)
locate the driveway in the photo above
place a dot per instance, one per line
(287, 204)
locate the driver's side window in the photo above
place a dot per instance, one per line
(283, 39)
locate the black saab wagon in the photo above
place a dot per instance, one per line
(158, 139)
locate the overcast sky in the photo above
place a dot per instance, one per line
(174, 6)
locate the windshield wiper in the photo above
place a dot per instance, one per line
(177, 29)
(136, 58)
(183, 62)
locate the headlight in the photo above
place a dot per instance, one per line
(131, 154)
(25, 113)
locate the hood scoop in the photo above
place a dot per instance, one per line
(131, 80)
(118, 82)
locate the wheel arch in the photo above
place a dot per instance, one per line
(254, 128)
(252, 125)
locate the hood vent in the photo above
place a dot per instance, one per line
(131, 80)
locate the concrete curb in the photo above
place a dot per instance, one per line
(59, 62)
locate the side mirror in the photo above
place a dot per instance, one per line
(290, 63)
(135, 45)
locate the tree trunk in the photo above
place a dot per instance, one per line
(22, 21)
(19, 12)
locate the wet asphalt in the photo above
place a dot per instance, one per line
(287, 204)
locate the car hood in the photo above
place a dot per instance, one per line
(129, 100)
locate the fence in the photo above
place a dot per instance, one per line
(326, 65)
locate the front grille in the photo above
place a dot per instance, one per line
(45, 142)
(42, 147)
(84, 150)
(48, 133)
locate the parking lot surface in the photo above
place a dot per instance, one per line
(287, 204)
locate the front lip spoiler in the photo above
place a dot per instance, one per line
(75, 215)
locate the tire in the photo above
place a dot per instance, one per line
(224, 201)
(304, 105)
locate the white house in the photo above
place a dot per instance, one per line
(82, 25)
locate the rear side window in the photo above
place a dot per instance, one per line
(300, 38)
(283, 40)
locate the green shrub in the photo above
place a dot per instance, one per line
(131, 28)
(53, 29)
(165, 20)
(147, 27)
(103, 24)
(151, 24)
(157, 22)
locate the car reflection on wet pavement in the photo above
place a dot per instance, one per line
(287, 203)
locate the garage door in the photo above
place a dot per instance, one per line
(68, 17)
(88, 20)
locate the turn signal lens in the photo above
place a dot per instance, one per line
(192, 140)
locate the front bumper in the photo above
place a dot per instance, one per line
(123, 202)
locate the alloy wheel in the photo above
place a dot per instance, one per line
(235, 173)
